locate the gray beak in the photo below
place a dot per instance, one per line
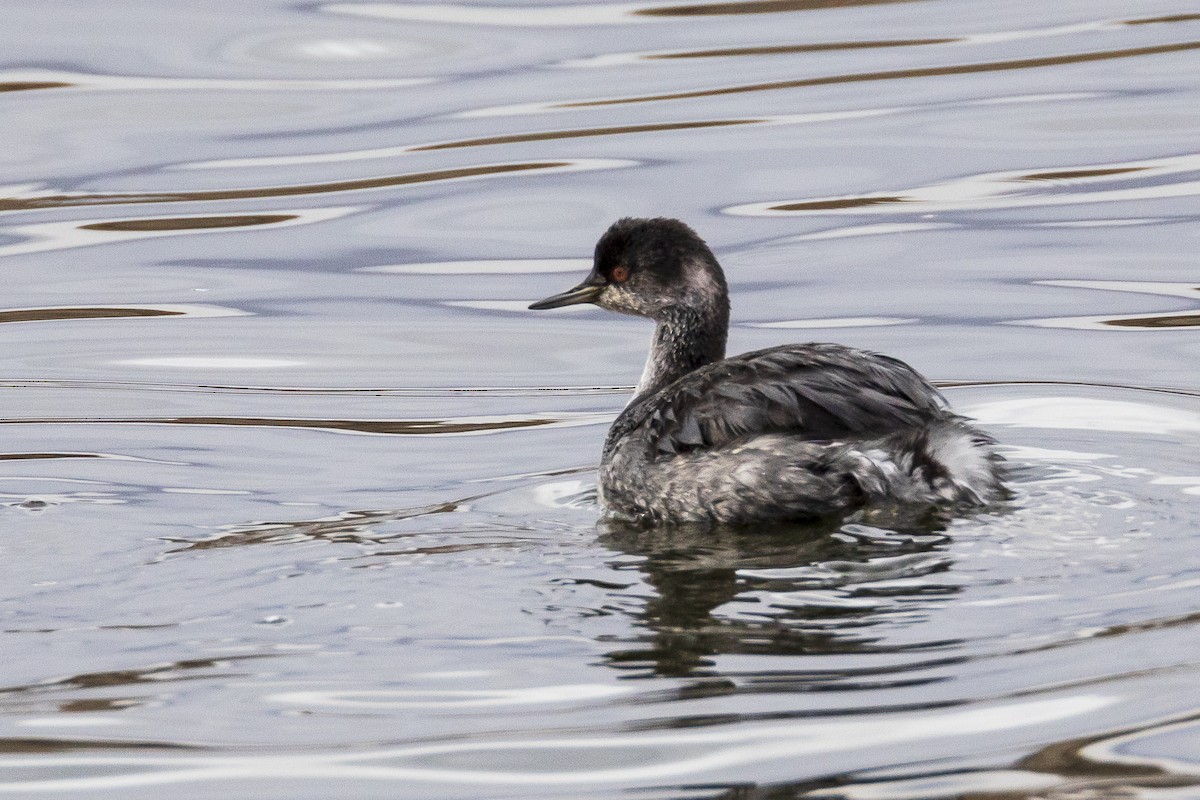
(586, 292)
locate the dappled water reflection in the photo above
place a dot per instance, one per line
(297, 499)
(695, 573)
(786, 657)
(692, 573)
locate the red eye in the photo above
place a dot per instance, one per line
(620, 274)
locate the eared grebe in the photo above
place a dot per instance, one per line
(786, 433)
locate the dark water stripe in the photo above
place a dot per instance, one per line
(501, 391)
(757, 7)
(887, 75)
(781, 49)
(1159, 20)
(952, 384)
(189, 223)
(25, 86)
(580, 133)
(113, 198)
(868, 44)
(348, 526)
(1178, 321)
(394, 427)
(39, 456)
(777, 6)
(157, 674)
(1068, 759)
(10, 746)
(860, 202)
(317, 391)
(1070, 174)
(1082, 774)
(844, 202)
(45, 314)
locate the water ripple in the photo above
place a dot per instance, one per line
(579, 14)
(536, 136)
(1086, 413)
(60, 313)
(858, 77)
(28, 199)
(615, 59)
(897, 74)
(356, 460)
(454, 699)
(636, 758)
(26, 80)
(1152, 321)
(460, 426)
(1175, 176)
(46, 236)
(512, 266)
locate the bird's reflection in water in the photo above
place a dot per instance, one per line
(825, 584)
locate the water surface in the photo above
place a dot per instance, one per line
(297, 500)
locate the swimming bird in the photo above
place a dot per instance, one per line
(793, 432)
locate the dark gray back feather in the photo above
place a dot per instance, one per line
(816, 392)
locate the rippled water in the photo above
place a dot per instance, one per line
(296, 500)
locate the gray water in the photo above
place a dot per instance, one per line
(298, 501)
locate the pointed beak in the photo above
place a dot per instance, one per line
(586, 292)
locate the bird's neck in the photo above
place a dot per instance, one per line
(685, 339)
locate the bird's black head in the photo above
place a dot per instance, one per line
(647, 266)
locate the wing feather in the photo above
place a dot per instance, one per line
(818, 392)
